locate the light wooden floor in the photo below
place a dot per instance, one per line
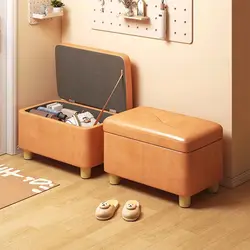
(63, 218)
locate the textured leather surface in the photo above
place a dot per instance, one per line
(78, 146)
(180, 173)
(163, 128)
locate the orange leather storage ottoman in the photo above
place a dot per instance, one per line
(172, 152)
(85, 79)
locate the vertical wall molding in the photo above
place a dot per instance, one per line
(3, 99)
(11, 77)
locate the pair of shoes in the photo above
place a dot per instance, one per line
(130, 212)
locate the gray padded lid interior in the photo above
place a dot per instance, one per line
(88, 77)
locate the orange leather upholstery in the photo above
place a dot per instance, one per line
(78, 146)
(163, 128)
(173, 152)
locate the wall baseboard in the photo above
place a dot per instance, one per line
(237, 180)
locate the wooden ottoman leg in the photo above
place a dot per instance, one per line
(214, 189)
(114, 180)
(85, 173)
(27, 155)
(184, 201)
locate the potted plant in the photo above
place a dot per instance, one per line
(129, 5)
(57, 5)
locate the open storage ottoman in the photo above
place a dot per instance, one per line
(172, 152)
(85, 79)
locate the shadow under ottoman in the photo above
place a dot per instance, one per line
(172, 152)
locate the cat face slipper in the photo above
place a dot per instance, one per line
(106, 210)
(131, 210)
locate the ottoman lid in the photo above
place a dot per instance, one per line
(163, 128)
(87, 76)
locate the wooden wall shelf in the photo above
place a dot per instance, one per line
(140, 18)
(49, 15)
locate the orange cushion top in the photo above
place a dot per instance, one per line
(163, 128)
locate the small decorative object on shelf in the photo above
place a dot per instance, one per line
(57, 5)
(141, 8)
(45, 10)
(129, 5)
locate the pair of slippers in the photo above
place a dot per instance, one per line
(106, 210)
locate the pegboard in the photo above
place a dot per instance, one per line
(35, 7)
(174, 23)
(180, 20)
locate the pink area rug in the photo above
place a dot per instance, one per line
(15, 186)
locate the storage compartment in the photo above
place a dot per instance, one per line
(85, 79)
(165, 150)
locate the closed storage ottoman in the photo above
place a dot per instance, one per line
(172, 152)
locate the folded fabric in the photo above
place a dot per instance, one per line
(69, 112)
(86, 119)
